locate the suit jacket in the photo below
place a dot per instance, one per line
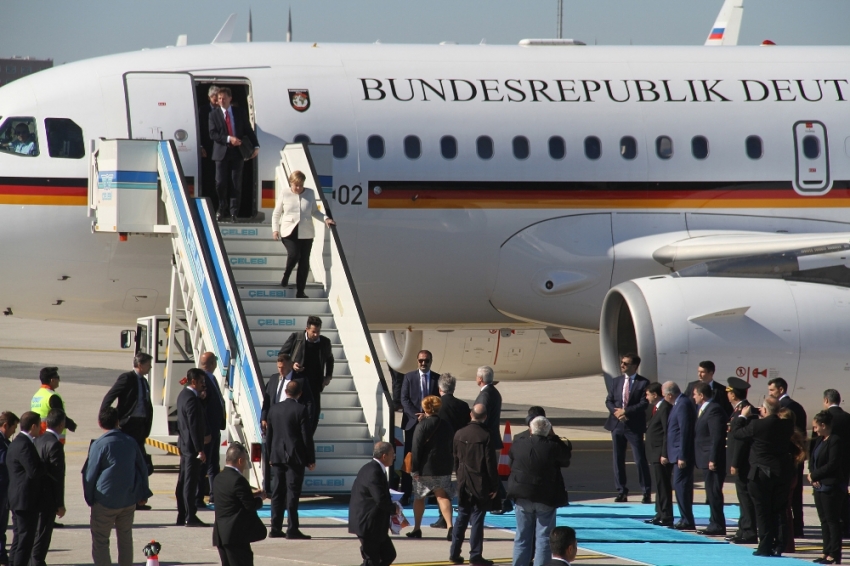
(475, 464)
(656, 434)
(636, 409)
(827, 468)
(214, 407)
(432, 447)
(680, 431)
(191, 422)
(454, 412)
(718, 395)
(26, 473)
(290, 434)
(126, 390)
(411, 395)
(492, 400)
(204, 120)
(241, 129)
(236, 519)
(738, 451)
(536, 463)
(799, 413)
(294, 346)
(293, 210)
(270, 396)
(52, 454)
(710, 437)
(841, 429)
(370, 506)
(771, 444)
(4, 471)
(557, 562)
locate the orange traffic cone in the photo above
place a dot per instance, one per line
(504, 461)
(151, 551)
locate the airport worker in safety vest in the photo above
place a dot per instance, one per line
(46, 398)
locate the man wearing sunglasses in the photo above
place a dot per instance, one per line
(417, 385)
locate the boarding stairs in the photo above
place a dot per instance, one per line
(228, 277)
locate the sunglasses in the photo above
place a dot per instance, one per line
(424, 361)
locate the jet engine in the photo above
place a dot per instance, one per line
(775, 315)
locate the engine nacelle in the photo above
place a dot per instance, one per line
(752, 328)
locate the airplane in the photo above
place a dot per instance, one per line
(727, 27)
(538, 209)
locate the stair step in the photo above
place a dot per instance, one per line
(340, 399)
(270, 335)
(261, 322)
(262, 274)
(328, 484)
(334, 415)
(340, 384)
(257, 261)
(342, 431)
(270, 368)
(334, 448)
(245, 231)
(340, 465)
(263, 290)
(262, 307)
(268, 352)
(259, 246)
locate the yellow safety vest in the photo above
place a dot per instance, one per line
(41, 404)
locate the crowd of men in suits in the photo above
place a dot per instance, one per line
(714, 428)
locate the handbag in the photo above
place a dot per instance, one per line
(407, 465)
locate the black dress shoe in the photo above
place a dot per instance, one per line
(651, 521)
(683, 527)
(647, 498)
(621, 498)
(456, 559)
(142, 507)
(195, 522)
(439, 523)
(275, 533)
(58, 525)
(297, 535)
(760, 553)
(739, 540)
(415, 533)
(181, 521)
(712, 532)
(450, 533)
(496, 512)
(661, 522)
(301, 296)
(480, 561)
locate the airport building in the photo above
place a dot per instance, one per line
(16, 67)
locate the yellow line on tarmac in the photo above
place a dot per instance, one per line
(170, 448)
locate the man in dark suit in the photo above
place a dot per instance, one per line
(417, 385)
(738, 460)
(370, 508)
(312, 358)
(841, 429)
(705, 374)
(290, 436)
(477, 485)
(52, 454)
(627, 404)
(8, 425)
(229, 129)
(135, 410)
(680, 452)
(213, 403)
(490, 397)
(191, 429)
(564, 546)
(207, 164)
(710, 454)
(454, 411)
(26, 480)
(236, 524)
(770, 470)
(778, 387)
(656, 453)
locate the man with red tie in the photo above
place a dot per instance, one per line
(229, 130)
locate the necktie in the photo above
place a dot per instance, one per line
(228, 122)
(654, 409)
(626, 392)
(424, 387)
(280, 388)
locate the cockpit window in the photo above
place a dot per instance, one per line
(64, 138)
(19, 136)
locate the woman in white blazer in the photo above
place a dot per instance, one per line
(292, 222)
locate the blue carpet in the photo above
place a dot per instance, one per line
(681, 555)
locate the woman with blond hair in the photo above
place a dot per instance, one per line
(431, 465)
(292, 223)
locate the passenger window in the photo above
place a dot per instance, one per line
(754, 147)
(811, 147)
(699, 147)
(301, 138)
(340, 146)
(64, 138)
(664, 147)
(375, 146)
(521, 147)
(592, 147)
(448, 147)
(557, 147)
(628, 147)
(18, 136)
(484, 146)
(412, 147)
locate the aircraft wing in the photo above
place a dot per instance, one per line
(728, 24)
(723, 246)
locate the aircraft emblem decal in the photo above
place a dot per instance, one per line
(299, 98)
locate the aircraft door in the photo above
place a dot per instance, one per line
(161, 106)
(811, 153)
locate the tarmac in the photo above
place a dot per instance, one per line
(89, 360)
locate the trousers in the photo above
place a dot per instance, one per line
(683, 484)
(661, 479)
(620, 437)
(534, 524)
(210, 468)
(714, 493)
(102, 521)
(747, 518)
(228, 181)
(24, 524)
(470, 515)
(377, 551)
(829, 505)
(286, 491)
(4, 519)
(186, 491)
(297, 254)
(236, 555)
(43, 534)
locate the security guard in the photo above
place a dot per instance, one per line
(46, 398)
(738, 460)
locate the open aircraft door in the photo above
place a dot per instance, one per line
(161, 106)
(811, 156)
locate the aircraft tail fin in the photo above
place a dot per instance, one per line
(226, 31)
(182, 40)
(728, 24)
